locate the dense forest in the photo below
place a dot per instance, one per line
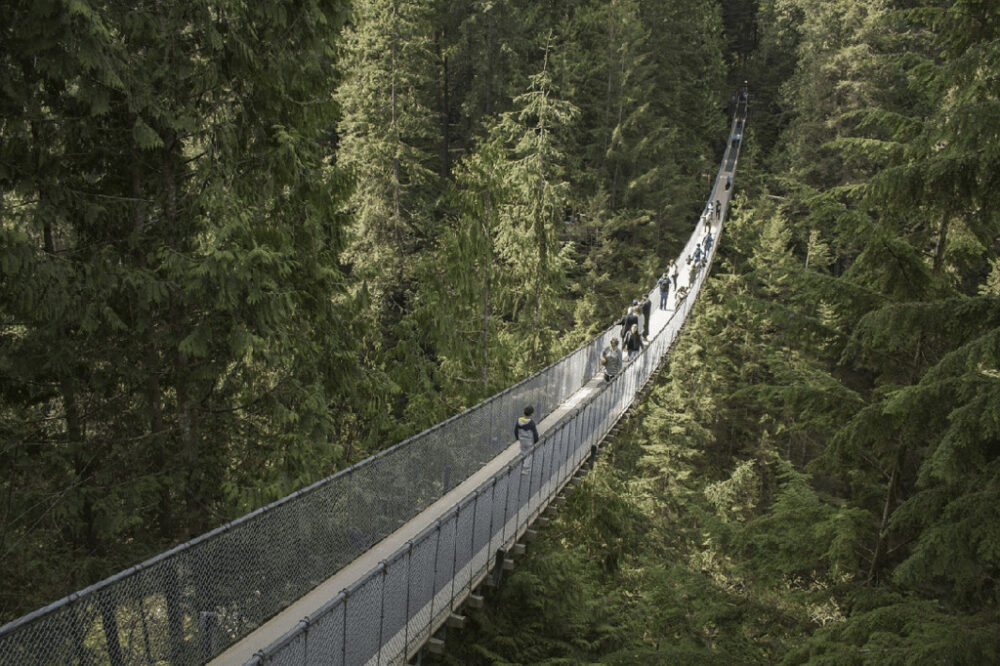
(816, 477)
(246, 244)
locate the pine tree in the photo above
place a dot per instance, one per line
(528, 238)
(387, 138)
(170, 275)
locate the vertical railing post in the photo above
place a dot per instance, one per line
(472, 538)
(540, 457)
(437, 554)
(409, 612)
(577, 436)
(454, 557)
(381, 619)
(305, 643)
(493, 511)
(550, 463)
(343, 647)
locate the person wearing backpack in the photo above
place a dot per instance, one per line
(526, 432)
(630, 318)
(664, 286)
(646, 308)
(633, 342)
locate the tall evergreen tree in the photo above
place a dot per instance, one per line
(169, 276)
(388, 136)
(529, 239)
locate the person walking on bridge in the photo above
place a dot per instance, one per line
(611, 359)
(664, 286)
(707, 242)
(646, 308)
(698, 252)
(718, 210)
(631, 317)
(526, 432)
(633, 342)
(674, 272)
(694, 260)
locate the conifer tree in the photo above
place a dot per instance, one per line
(467, 280)
(170, 276)
(387, 138)
(528, 237)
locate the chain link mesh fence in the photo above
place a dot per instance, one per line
(191, 603)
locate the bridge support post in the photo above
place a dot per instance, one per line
(435, 645)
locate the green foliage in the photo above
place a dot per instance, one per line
(171, 316)
(902, 631)
(818, 474)
(219, 282)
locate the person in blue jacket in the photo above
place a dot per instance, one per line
(526, 432)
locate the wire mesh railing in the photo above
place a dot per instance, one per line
(189, 604)
(410, 594)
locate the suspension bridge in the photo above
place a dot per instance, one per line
(366, 566)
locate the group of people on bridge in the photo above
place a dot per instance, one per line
(634, 332)
(637, 316)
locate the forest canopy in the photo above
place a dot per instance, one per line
(814, 480)
(245, 245)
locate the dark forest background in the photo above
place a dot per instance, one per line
(244, 245)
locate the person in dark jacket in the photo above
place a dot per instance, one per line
(628, 320)
(663, 284)
(526, 432)
(633, 342)
(646, 308)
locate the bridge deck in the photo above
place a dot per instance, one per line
(280, 624)
(283, 622)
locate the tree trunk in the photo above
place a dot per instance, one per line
(891, 492)
(487, 279)
(445, 104)
(397, 204)
(942, 242)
